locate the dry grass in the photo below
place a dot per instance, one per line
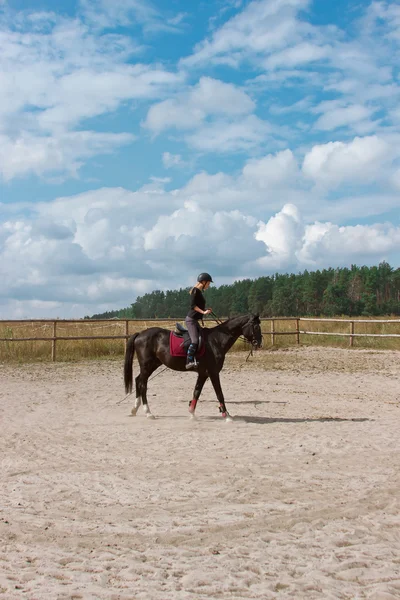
(75, 350)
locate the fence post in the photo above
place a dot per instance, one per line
(126, 333)
(53, 343)
(272, 331)
(351, 339)
(298, 331)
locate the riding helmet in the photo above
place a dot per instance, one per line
(205, 277)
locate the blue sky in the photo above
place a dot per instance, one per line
(142, 142)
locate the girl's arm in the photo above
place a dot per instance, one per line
(202, 312)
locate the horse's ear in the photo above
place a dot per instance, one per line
(257, 318)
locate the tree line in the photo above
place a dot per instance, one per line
(358, 291)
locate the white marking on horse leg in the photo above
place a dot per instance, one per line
(147, 412)
(135, 408)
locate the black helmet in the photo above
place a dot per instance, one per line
(205, 277)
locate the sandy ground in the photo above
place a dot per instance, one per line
(297, 498)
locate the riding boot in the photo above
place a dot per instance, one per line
(191, 362)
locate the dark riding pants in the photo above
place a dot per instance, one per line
(193, 329)
(194, 333)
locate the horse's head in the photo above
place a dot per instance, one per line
(252, 331)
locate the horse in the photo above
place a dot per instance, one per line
(152, 347)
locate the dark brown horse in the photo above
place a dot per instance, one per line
(153, 349)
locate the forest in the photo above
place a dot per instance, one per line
(354, 291)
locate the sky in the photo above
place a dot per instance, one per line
(142, 142)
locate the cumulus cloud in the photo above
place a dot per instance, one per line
(355, 116)
(97, 250)
(279, 194)
(263, 26)
(56, 73)
(223, 136)
(187, 110)
(272, 170)
(216, 115)
(291, 243)
(361, 160)
(279, 41)
(64, 153)
(282, 236)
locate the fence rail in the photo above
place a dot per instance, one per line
(54, 338)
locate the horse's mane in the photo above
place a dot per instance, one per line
(232, 320)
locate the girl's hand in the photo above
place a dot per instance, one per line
(207, 311)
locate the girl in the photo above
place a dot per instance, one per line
(196, 312)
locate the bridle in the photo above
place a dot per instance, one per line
(253, 341)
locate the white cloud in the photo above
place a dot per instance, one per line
(172, 160)
(63, 153)
(343, 117)
(216, 97)
(272, 170)
(263, 26)
(188, 225)
(106, 14)
(322, 240)
(276, 37)
(284, 208)
(281, 235)
(102, 92)
(171, 113)
(97, 250)
(210, 97)
(216, 113)
(56, 73)
(299, 54)
(361, 160)
(291, 243)
(223, 136)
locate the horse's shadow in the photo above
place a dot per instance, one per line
(270, 420)
(256, 402)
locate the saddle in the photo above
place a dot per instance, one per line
(180, 342)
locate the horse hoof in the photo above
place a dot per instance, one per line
(192, 417)
(133, 412)
(150, 416)
(228, 419)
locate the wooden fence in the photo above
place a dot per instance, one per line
(124, 323)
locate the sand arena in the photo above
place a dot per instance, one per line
(298, 498)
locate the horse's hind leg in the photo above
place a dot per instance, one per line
(138, 400)
(201, 379)
(144, 376)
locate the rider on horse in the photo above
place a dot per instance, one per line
(196, 312)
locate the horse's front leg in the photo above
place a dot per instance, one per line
(220, 396)
(201, 379)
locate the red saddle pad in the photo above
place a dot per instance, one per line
(176, 346)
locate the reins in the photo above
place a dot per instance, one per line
(241, 338)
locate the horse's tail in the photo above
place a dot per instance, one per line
(129, 354)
